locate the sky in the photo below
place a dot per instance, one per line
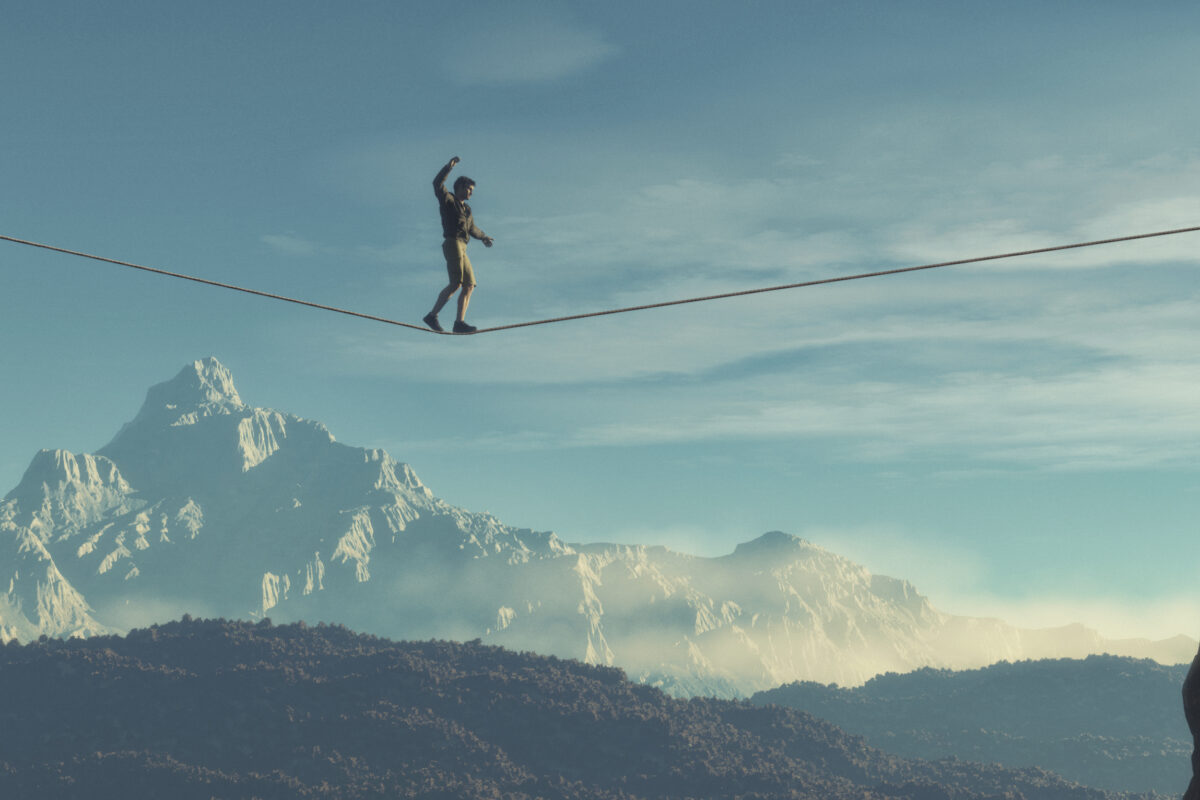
(1018, 438)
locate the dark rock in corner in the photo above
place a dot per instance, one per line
(1191, 709)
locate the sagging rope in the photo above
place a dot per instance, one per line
(610, 311)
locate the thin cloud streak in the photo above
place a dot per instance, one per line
(1125, 618)
(289, 244)
(536, 50)
(919, 314)
(951, 574)
(1076, 422)
(1084, 379)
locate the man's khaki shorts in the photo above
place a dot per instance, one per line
(457, 263)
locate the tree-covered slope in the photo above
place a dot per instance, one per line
(232, 709)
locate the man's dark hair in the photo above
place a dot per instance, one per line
(462, 182)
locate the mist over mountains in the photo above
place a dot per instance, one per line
(203, 504)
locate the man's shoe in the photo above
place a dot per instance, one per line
(462, 327)
(431, 320)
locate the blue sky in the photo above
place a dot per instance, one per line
(1019, 439)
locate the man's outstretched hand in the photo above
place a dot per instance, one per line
(487, 241)
(454, 162)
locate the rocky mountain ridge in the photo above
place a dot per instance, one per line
(203, 504)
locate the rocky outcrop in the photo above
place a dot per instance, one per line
(1191, 710)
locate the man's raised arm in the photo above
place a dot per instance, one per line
(439, 182)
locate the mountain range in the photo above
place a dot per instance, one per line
(206, 505)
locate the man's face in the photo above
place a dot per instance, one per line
(465, 192)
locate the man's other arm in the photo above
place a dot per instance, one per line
(480, 235)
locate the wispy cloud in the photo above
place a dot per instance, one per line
(535, 50)
(1072, 423)
(289, 244)
(1033, 362)
(951, 575)
(1114, 618)
(790, 227)
(991, 370)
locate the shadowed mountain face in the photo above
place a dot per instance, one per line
(197, 709)
(1106, 721)
(206, 505)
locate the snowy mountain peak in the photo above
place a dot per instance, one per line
(63, 489)
(194, 425)
(394, 475)
(774, 544)
(209, 378)
(57, 468)
(201, 389)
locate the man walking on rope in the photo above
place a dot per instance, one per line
(458, 226)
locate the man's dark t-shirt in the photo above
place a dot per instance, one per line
(457, 221)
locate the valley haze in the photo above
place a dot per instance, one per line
(204, 504)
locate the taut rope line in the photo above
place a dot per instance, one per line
(664, 304)
(859, 276)
(218, 284)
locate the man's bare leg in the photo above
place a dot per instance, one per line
(464, 299)
(442, 298)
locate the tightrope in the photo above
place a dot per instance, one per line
(606, 312)
(218, 284)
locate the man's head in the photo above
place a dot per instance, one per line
(463, 186)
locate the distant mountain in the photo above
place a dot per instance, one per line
(200, 709)
(206, 505)
(1114, 723)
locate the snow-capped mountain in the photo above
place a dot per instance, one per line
(205, 505)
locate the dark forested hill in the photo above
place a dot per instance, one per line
(200, 709)
(1107, 721)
